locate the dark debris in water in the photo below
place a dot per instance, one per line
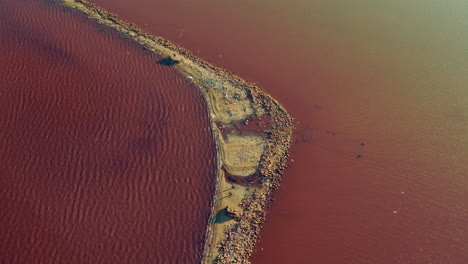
(168, 61)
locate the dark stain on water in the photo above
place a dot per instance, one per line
(168, 61)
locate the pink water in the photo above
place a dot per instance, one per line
(105, 155)
(390, 73)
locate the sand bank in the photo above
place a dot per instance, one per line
(252, 132)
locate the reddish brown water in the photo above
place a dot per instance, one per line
(106, 156)
(391, 73)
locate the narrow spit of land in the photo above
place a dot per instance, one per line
(252, 133)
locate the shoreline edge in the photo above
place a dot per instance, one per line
(252, 133)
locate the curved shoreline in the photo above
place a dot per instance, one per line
(255, 154)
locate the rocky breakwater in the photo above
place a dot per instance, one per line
(252, 132)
